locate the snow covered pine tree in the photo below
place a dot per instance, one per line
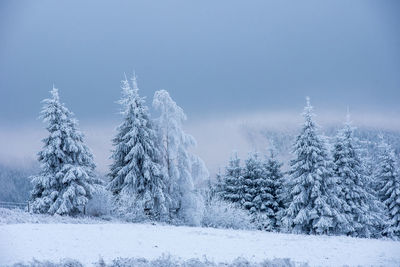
(216, 188)
(388, 180)
(358, 205)
(258, 188)
(232, 182)
(312, 206)
(66, 178)
(275, 179)
(253, 176)
(136, 174)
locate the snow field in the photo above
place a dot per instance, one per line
(87, 242)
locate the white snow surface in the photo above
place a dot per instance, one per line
(87, 242)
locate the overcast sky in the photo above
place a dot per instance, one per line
(216, 58)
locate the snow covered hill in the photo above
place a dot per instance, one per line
(87, 242)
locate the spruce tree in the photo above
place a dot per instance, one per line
(136, 170)
(65, 182)
(275, 185)
(233, 181)
(217, 187)
(388, 180)
(312, 202)
(254, 184)
(358, 205)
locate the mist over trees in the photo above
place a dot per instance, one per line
(16, 185)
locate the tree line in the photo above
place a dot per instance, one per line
(155, 176)
(327, 189)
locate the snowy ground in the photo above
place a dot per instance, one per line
(87, 242)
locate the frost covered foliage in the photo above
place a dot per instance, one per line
(312, 202)
(101, 202)
(164, 261)
(360, 208)
(222, 214)
(65, 182)
(184, 170)
(130, 208)
(136, 171)
(388, 180)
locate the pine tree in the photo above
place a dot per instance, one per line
(233, 181)
(184, 169)
(359, 206)
(254, 184)
(217, 187)
(388, 179)
(275, 178)
(66, 178)
(136, 170)
(312, 206)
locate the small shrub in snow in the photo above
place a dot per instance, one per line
(129, 208)
(100, 204)
(262, 221)
(165, 261)
(192, 213)
(222, 214)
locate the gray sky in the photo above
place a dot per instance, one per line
(213, 56)
(216, 58)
